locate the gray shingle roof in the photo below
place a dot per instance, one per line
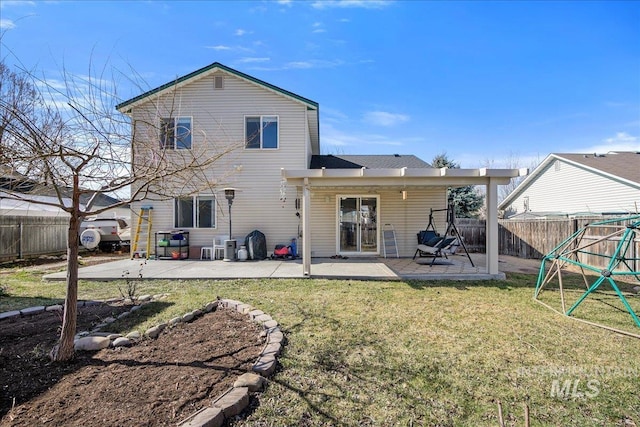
(623, 164)
(373, 161)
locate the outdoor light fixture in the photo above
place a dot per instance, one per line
(230, 244)
(230, 194)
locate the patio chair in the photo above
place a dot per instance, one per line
(218, 246)
(438, 247)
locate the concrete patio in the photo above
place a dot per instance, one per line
(457, 267)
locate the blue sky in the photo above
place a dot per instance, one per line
(481, 81)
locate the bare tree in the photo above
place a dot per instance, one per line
(511, 161)
(67, 138)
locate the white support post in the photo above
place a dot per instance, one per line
(306, 229)
(492, 227)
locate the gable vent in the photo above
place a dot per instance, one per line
(217, 82)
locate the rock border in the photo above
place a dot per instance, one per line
(230, 403)
(30, 311)
(236, 399)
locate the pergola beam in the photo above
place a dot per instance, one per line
(405, 178)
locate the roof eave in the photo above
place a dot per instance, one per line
(123, 107)
(409, 175)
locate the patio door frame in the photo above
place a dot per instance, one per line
(359, 240)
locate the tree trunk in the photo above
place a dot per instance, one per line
(64, 349)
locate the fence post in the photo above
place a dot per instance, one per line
(20, 230)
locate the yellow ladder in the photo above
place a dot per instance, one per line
(144, 216)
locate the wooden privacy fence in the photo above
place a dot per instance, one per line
(473, 232)
(534, 239)
(31, 236)
(598, 252)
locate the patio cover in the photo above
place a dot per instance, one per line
(403, 178)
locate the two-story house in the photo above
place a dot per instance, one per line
(269, 142)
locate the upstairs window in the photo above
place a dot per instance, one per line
(175, 133)
(195, 212)
(261, 132)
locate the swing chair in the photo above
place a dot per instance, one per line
(431, 243)
(607, 248)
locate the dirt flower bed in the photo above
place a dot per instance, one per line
(153, 383)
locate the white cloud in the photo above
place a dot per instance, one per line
(236, 49)
(314, 63)
(336, 138)
(299, 64)
(8, 3)
(364, 4)
(284, 2)
(219, 47)
(333, 115)
(240, 32)
(622, 138)
(621, 141)
(615, 104)
(383, 118)
(259, 9)
(7, 24)
(253, 60)
(317, 27)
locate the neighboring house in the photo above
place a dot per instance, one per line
(332, 204)
(21, 196)
(11, 206)
(95, 201)
(578, 184)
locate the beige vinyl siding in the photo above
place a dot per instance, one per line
(412, 215)
(563, 187)
(407, 216)
(219, 123)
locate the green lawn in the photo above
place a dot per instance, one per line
(414, 353)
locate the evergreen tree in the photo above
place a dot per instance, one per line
(466, 199)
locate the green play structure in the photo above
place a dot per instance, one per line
(607, 248)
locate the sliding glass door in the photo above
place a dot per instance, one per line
(357, 224)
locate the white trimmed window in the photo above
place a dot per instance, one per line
(175, 133)
(195, 212)
(261, 132)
